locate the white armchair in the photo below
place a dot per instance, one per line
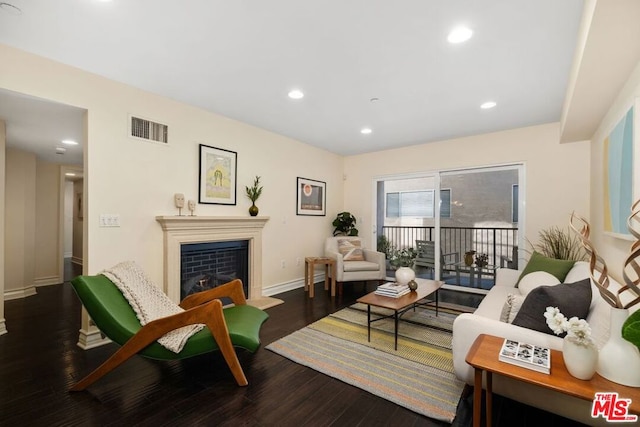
(371, 266)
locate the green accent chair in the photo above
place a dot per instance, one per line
(238, 325)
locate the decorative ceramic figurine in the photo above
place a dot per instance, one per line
(192, 206)
(178, 199)
(413, 285)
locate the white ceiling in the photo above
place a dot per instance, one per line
(240, 58)
(40, 127)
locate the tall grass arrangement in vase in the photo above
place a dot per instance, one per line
(558, 243)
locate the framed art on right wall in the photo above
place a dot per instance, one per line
(618, 174)
(311, 197)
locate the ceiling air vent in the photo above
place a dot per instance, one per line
(148, 130)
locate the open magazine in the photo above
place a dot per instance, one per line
(526, 355)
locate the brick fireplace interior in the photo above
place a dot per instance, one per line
(207, 265)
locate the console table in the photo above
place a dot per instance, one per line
(483, 356)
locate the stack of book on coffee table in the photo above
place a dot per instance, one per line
(392, 289)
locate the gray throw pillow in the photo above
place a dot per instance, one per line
(573, 299)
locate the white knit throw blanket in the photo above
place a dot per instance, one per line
(149, 302)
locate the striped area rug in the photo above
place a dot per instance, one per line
(418, 376)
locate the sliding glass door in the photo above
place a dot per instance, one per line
(471, 216)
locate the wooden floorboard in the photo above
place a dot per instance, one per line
(40, 360)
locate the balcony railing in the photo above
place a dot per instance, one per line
(500, 244)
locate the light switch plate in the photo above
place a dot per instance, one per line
(109, 220)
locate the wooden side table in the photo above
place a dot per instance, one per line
(309, 268)
(483, 356)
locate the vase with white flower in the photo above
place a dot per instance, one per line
(579, 350)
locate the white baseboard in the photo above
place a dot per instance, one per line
(283, 287)
(3, 327)
(291, 285)
(20, 293)
(47, 281)
(76, 260)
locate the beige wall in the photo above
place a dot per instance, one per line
(32, 224)
(20, 221)
(47, 214)
(137, 179)
(556, 175)
(3, 134)
(613, 250)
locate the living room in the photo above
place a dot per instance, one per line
(138, 180)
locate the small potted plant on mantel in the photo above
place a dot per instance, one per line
(253, 193)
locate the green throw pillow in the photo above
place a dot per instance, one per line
(557, 267)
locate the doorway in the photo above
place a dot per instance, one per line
(72, 180)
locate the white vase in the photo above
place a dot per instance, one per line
(404, 275)
(619, 360)
(581, 361)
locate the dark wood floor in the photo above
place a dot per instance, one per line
(39, 360)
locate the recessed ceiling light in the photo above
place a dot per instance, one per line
(296, 94)
(365, 131)
(488, 104)
(69, 142)
(69, 174)
(459, 35)
(61, 150)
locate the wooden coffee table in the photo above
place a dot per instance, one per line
(399, 305)
(483, 356)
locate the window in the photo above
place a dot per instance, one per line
(393, 205)
(445, 203)
(417, 204)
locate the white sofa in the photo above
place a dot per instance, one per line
(486, 320)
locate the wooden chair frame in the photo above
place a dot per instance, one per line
(204, 307)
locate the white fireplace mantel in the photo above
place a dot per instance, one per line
(179, 230)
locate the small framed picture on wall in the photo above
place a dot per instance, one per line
(311, 197)
(217, 176)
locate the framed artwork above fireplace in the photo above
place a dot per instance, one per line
(218, 176)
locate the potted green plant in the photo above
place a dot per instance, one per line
(482, 260)
(384, 246)
(253, 193)
(403, 257)
(557, 243)
(345, 224)
(402, 260)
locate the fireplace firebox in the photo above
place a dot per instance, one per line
(207, 265)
